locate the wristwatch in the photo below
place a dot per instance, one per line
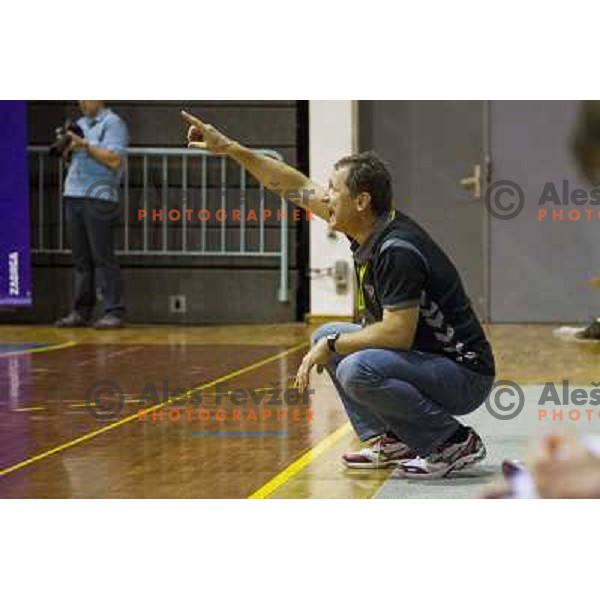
(332, 338)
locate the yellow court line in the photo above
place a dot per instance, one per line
(42, 349)
(29, 408)
(136, 416)
(298, 465)
(86, 404)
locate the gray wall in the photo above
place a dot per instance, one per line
(214, 296)
(429, 147)
(539, 268)
(218, 290)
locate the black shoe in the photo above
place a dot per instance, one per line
(109, 322)
(73, 320)
(591, 332)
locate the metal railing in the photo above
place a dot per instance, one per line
(192, 239)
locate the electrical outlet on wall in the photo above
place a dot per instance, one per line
(177, 304)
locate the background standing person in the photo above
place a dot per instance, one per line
(97, 149)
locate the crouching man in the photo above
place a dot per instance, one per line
(419, 357)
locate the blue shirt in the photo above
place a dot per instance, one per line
(86, 176)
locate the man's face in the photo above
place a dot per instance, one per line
(343, 210)
(90, 108)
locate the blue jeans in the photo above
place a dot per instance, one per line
(411, 394)
(94, 256)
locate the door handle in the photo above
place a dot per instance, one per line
(473, 182)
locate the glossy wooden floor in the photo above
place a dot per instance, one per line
(51, 446)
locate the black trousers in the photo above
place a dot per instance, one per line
(90, 223)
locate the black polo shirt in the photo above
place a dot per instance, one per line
(401, 266)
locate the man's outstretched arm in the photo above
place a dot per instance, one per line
(273, 174)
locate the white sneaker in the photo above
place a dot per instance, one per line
(450, 457)
(384, 452)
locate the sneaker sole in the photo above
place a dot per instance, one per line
(371, 466)
(465, 461)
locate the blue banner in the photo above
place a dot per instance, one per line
(15, 267)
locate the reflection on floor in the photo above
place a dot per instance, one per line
(220, 417)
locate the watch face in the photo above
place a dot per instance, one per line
(331, 340)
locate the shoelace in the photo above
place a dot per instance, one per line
(445, 454)
(378, 448)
